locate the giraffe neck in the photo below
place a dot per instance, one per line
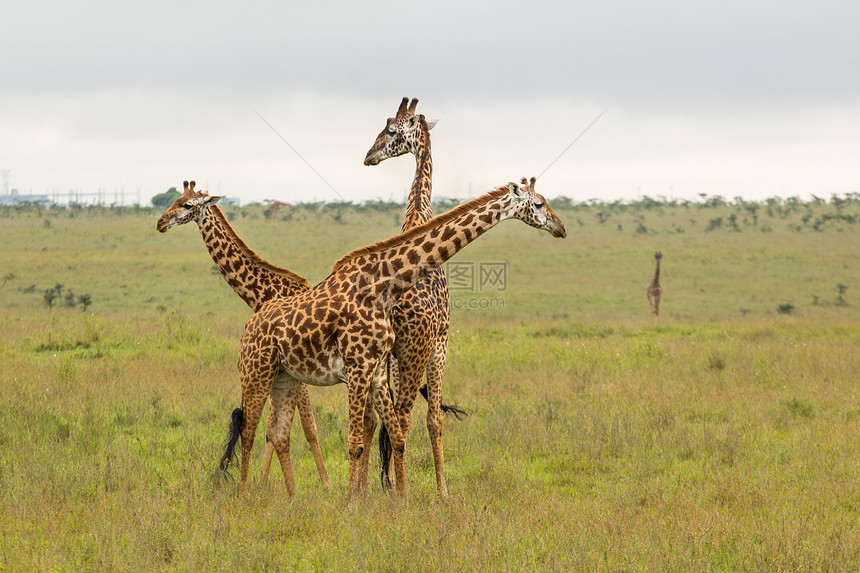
(391, 267)
(656, 281)
(418, 207)
(254, 279)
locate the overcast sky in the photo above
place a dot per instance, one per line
(751, 99)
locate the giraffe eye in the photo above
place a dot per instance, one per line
(187, 205)
(539, 205)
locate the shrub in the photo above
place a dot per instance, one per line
(716, 362)
(840, 300)
(164, 200)
(85, 300)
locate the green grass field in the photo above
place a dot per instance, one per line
(722, 436)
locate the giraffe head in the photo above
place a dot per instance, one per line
(658, 255)
(400, 135)
(531, 208)
(190, 206)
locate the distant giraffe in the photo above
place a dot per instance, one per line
(340, 330)
(655, 291)
(271, 212)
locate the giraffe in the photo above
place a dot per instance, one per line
(655, 291)
(340, 331)
(271, 212)
(252, 278)
(421, 317)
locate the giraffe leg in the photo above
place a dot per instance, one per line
(270, 449)
(385, 407)
(258, 367)
(393, 380)
(284, 398)
(411, 365)
(368, 431)
(358, 377)
(395, 388)
(306, 415)
(435, 419)
(309, 426)
(253, 411)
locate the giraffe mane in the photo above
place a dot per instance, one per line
(415, 231)
(252, 256)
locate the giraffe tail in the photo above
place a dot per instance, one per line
(385, 449)
(384, 456)
(233, 434)
(458, 412)
(385, 439)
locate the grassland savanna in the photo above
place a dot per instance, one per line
(722, 435)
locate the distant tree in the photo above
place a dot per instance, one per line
(733, 222)
(715, 224)
(752, 209)
(50, 296)
(164, 200)
(837, 202)
(561, 202)
(840, 300)
(793, 203)
(716, 201)
(85, 300)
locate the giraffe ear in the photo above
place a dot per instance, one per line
(212, 199)
(515, 190)
(431, 123)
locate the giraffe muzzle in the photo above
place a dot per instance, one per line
(556, 229)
